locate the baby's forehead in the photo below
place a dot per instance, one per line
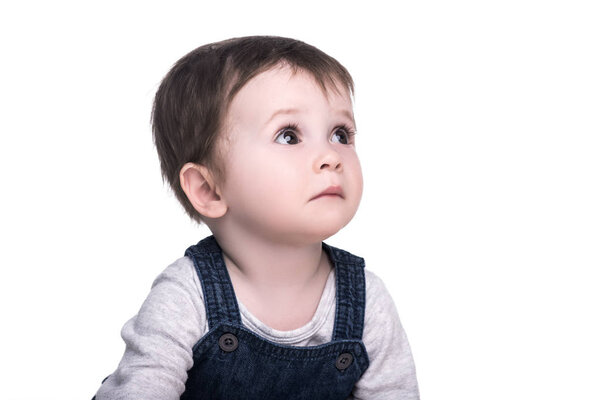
(329, 84)
(285, 83)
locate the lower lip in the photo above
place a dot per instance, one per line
(327, 195)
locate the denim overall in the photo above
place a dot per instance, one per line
(231, 362)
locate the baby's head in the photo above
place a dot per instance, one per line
(227, 115)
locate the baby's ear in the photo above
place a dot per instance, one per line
(200, 188)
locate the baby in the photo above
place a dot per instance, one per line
(255, 136)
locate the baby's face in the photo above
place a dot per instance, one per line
(290, 142)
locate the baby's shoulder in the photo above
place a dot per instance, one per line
(372, 280)
(180, 275)
(180, 269)
(378, 299)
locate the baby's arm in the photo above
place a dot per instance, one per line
(391, 372)
(159, 340)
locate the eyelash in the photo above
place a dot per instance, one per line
(350, 133)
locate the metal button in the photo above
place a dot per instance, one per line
(343, 361)
(228, 342)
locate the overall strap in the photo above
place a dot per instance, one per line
(350, 294)
(219, 297)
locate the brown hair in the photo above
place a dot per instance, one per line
(192, 99)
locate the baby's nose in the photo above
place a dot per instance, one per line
(328, 160)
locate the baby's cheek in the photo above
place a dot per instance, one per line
(359, 185)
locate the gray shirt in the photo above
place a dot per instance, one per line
(159, 339)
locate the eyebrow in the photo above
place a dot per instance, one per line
(291, 111)
(347, 113)
(283, 111)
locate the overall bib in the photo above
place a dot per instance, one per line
(233, 363)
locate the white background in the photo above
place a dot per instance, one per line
(479, 128)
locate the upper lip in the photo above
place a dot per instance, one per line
(333, 190)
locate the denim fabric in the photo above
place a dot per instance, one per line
(231, 362)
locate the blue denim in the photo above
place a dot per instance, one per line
(231, 362)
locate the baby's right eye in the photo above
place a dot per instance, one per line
(287, 135)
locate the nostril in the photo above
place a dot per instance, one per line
(327, 165)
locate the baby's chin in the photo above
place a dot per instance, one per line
(313, 232)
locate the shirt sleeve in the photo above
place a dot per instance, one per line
(159, 339)
(391, 373)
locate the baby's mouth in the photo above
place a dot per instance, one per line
(331, 191)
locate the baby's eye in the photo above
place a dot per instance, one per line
(287, 136)
(343, 135)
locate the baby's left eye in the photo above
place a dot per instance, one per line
(343, 135)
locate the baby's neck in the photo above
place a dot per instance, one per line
(272, 264)
(281, 284)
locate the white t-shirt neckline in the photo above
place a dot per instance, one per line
(301, 334)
